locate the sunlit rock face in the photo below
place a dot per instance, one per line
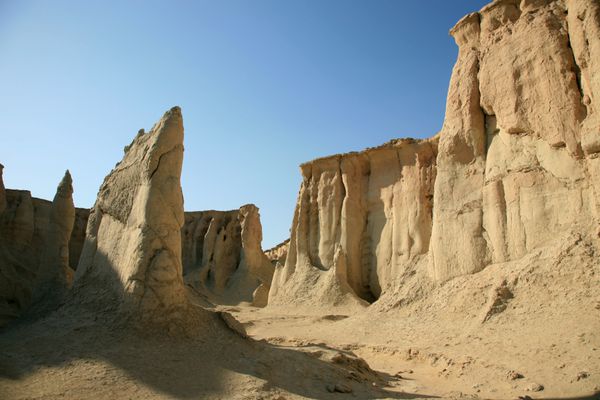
(515, 164)
(517, 159)
(131, 259)
(359, 220)
(223, 257)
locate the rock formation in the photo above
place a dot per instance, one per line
(222, 255)
(278, 253)
(54, 274)
(511, 171)
(2, 191)
(517, 165)
(34, 249)
(131, 260)
(359, 220)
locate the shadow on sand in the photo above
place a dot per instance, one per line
(76, 352)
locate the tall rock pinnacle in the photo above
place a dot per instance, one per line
(54, 274)
(132, 256)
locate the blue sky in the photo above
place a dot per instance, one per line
(264, 85)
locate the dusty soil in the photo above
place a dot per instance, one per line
(523, 329)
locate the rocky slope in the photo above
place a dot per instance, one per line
(514, 166)
(222, 255)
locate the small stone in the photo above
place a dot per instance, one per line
(524, 397)
(582, 375)
(514, 375)
(535, 387)
(330, 388)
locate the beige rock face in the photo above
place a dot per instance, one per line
(359, 220)
(517, 165)
(511, 171)
(131, 259)
(222, 255)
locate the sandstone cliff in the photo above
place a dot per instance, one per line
(131, 260)
(222, 255)
(517, 165)
(359, 220)
(517, 162)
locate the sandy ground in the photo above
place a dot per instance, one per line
(525, 329)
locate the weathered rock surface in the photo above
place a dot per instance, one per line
(278, 253)
(517, 165)
(131, 260)
(361, 218)
(33, 249)
(222, 255)
(511, 171)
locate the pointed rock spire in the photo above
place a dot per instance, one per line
(131, 260)
(54, 273)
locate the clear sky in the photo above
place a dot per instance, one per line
(264, 85)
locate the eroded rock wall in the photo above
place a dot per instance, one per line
(513, 170)
(360, 218)
(517, 165)
(33, 249)
(222, 255)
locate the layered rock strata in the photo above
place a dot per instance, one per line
(516, 166)
(359, 220)
(131, 260)
(222, 255)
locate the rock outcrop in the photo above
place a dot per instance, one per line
(516, 166)
(54, 274)
(361, 218)
(222, 255)
(513, 168)
(34, 249)
(2, 191)
(131, 260)
(278, 253)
